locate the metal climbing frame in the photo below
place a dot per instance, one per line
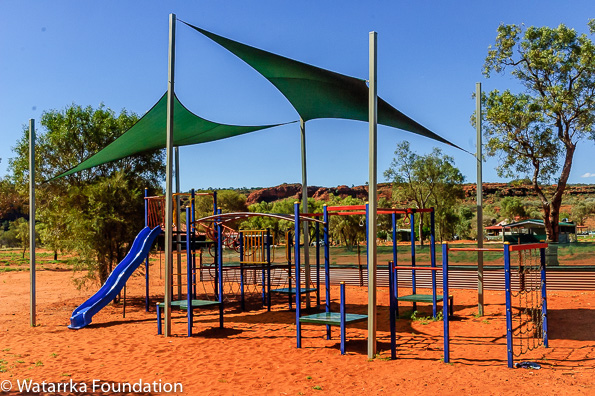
(526, 301)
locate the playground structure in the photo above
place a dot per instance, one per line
(526, 295)
(526, 298)
(393, 298)
(255, 254)
(342, 319)
(191, 302)
(415, 297)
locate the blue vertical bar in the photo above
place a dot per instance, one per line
(543, 297)
(445, 302)
(507, 286)
(289, 268)
(395, 290)
(216, 259)
(158, 319)
(220, 267)
(193, 208)
(268, 245)
(394, 221)
(433, 264)
(188, 274)
(327, 266)
(298, 285)
(262, 269)
(242, 296)
(317, 264)
(343, 330)
(392, 311)
(367, 242)
(413, 280)
(147, 261)
(215, 202)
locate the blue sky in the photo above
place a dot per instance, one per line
(430, 55)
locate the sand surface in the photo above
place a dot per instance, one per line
(256, 351)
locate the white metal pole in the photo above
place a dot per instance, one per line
(479, 189)
(33, 312)
(372, 196)
(305, 210)
(168, 175)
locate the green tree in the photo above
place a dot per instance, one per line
(426, 181)
(582, 210)
(512, 207)
(13, 204)
(97, 212)
(22, 228)
(536, 132)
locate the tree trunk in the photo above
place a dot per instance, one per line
(553, 231)
(103, 269)
(55, 255)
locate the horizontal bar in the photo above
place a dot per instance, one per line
(404, 210)
(475, 250)
(346, 207)
(311, 214)
(185, 194)
(418, 268)
(528, 246)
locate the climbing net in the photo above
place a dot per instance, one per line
(526, 298)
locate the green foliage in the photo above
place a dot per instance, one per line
(348, 230)
(424, 320)
(536, 132)
(13, 204)
(277, 226)
(464, 222)
(231, 201)
(427, 180)
(582, 210)
(95, 213)
(512, 207)
(111, 218)
(8, 236)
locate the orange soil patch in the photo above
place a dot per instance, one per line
(256, 353)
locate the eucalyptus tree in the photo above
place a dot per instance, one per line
(536, 131)
(97, 212)
(425, 180)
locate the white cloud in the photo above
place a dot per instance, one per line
(588, 174)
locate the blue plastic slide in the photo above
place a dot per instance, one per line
(82, 316)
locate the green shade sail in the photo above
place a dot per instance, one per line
(149, 134)
(319, 93)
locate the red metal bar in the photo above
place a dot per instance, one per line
(403, 267)
(475, 250)
(529, 246)
(163, 196)
(346, 207)
(311, 214)
(404, 210)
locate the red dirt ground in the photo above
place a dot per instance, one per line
(256, 353)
